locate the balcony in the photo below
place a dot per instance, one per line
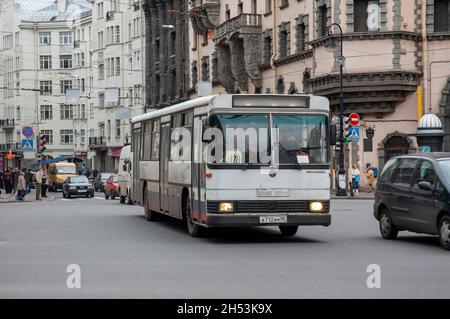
(237, 24)
(97, 142)
(9, 147)
(7, 123)
(239, 47)
(205, 17)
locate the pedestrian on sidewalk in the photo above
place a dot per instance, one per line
(7, 179)
(21, 185)
(45, 183)
(355, 179)
(29, 180)
(370, 178)
(1, 182)
(15, 177)
(39, 175)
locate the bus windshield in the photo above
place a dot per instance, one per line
(66, 170)
(247, 139)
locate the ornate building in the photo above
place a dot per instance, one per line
(167, 52)
(391, 50)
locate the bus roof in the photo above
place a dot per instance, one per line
(241, 100)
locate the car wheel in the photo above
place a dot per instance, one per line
(122, 199)
(444, 232)
(288, 231)
(150, 215)
(387, 229)
(193, 229)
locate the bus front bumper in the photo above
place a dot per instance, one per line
(243, 220)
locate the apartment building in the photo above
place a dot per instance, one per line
(50, 48)
(397, 60)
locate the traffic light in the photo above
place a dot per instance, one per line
(42, 142)
(346, 129)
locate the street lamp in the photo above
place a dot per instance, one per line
(331, 44)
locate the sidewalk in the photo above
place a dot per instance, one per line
(362, 195)
(31, 197)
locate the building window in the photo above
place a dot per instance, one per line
(46, 87)
(65, 37)
(205, 68)
(46, 112)
(117, 66)
(254, 6)
(66, 112)
(322, 20)
(267, 46)
(284, 4)
(227, 12)
(65, 61)
(48, 134)
(83, 111)
(301, 36)
(82, 136)
(100, 10)
(268, 6)
(45, 62)
(101, 71)
(117, 34)
(194, 73)
(284, 40)
(117, 128)
(45, 37)
(240, 7)
(441, 15)
(66, 136)
(65, 85)
(366, 15)
(101, 100)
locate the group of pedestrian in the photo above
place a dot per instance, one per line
(19, 182)
(371, 174)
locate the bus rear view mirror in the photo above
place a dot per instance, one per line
(333, 132)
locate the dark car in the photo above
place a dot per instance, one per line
(77, 186)
(100, 180)
(413, 194)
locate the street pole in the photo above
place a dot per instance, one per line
(342, 189)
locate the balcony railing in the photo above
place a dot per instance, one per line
(97, 141)
(7, 123)
(9, 147)
(241, 21)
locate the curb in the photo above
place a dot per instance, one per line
(7, 201)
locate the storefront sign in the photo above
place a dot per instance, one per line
(114, 152)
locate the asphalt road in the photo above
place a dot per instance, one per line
(123, 256)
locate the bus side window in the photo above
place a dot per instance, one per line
(155, 140)
(146, 142)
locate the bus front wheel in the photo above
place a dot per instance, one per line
(288, 230)
(193, 229)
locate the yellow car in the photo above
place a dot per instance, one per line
(58, 172)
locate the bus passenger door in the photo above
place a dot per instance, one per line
(136, 194)
(198, 169)
(164, 167)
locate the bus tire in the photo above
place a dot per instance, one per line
(150, 215)
(288, 231)
(193, 229)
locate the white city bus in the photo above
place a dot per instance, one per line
(216, 181)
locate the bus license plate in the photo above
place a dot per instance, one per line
(273, 219)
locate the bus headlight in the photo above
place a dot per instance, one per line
(315, 207)
(226, 207)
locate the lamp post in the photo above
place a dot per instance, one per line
(330, 43)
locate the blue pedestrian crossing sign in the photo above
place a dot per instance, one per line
(27, 144)
(354, 134)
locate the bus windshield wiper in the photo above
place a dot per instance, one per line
(283, 148)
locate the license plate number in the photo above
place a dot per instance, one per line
(82, 190)
(273, 219)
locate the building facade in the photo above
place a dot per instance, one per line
(391, 48)
(50, 47)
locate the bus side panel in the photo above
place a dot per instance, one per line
(179, 178)
(149, 173)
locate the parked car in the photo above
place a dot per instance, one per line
(125, 175)
(58, 173)
(77, 186)
(112, 187)
(100, 180)
(413, 194)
